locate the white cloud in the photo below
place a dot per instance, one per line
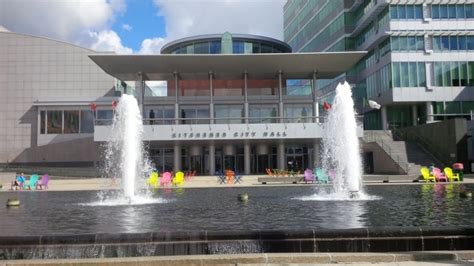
(152, 46)
(88, 22)
(127, 27)
(187, 17)
(108, 41)
(67, 20)
(3, 29)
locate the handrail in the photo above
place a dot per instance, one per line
(244, 120)
(423, 143)
(404, 165)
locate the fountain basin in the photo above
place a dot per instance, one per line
(383, 239)
(211, 221)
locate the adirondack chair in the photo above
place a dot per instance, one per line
(178, 179)
(439, 176)
(153, 180)
(451, 176)
(43, 182)
(427, 176)
(32, 183)
(19, 182)
(166, 179)
(321, 175)
(308, 176)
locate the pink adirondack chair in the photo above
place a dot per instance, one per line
(43, 182)
(166, 179)
(308, 176)
(440, 177)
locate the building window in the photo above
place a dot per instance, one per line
(42, 122)
(452, 11)
(298, 87)
(409, 74)
(87, 121)
(300, 113)
(215, 47)
(456, 74)
(197, 114)
(262, 114)
(71, 122)
(408, 43)
(229, 114)
(238, 47)
(55, 122)
(406, 12)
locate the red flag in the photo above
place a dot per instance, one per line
(93, 106)
(326, 106)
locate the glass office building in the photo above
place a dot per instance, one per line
(420, 60)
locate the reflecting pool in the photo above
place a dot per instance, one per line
(268, 208)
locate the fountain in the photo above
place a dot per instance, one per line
(125, 154)
(340, 144)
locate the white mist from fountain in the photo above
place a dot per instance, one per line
(341, 155)
(125, 156)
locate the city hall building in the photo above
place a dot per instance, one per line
(209, 102)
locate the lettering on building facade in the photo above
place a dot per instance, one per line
(220, 135)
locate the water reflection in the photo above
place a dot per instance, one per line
(268, 208)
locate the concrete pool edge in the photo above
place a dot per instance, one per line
(376, 239)
(265, 258)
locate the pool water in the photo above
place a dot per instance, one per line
(268, 208)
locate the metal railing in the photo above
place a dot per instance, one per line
(228, 120)
(372, 137)
(423, 143)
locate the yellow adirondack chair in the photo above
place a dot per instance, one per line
(427, 176)
(178, 179)
(451, 176)
(153, 180)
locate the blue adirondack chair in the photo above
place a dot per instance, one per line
(32, 183)
(322, 176)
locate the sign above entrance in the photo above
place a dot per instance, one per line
(223, 132)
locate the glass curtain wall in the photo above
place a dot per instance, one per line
(229, 114)
(456, 74)
(262, 113)
(159, 114)
(194, 114)
(298, 113)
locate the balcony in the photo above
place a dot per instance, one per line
(194, 130)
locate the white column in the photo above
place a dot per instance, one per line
(280, 96)
(281, 156)
(246, 158)
(176, 95)
(177, 158)
(414, 114)
(212, 159)
(142, 92)
(315, 97)
(429, 112)
(211, 105)
(246, 100)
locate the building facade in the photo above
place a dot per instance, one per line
(420, 61)
(46, 87)
(217, 102)
(245, 104)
